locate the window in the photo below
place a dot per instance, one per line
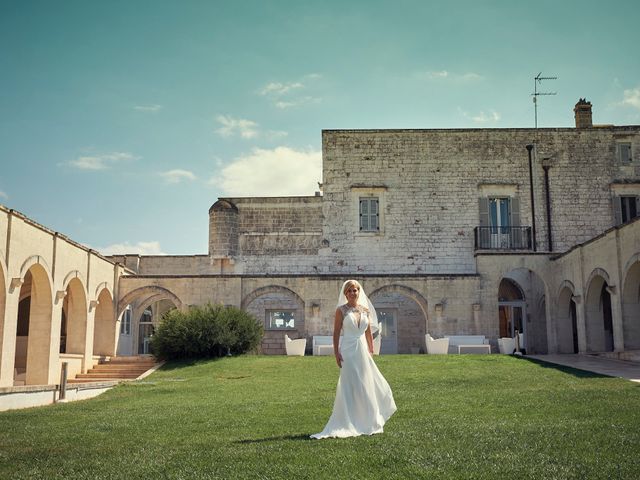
(369, 214)
(624, 152)
(125, 322)
(628, 208)
(500, 224)
(280, 319)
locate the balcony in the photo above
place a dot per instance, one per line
(502, 238)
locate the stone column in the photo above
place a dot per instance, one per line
(8, 334)
(580, 323)
(616, 317)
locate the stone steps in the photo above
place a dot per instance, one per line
(116, 369)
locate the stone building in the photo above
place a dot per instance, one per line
(464, 231)
(458, 231)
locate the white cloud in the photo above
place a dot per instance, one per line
(101, 162)
(4, 195)
(632, 98)
(177, 175)
(281, 171)
(236, 126)
(140, 248)
(482, 117)
(277, 88)
(450, 76)
(282, 104)
(287, 95)
(153, 108)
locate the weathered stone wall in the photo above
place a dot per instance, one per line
(429, 182)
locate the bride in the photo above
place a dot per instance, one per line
(364, 401)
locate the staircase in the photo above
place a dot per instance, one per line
(116, 369)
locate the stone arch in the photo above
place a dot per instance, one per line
(34, 335)
(103, 286)
(410, 310)
(566, 319)
(104, 325)
(36, 260)
(141, 299)
(143, 293)
(267, 290)
(528, 314)
(631, 304)
(272, 304)
(598, 314)
(70, 276)
(73, 325)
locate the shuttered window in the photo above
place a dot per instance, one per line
(627, 207)
(624, 152)
(369, 214)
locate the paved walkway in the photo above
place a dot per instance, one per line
(603, 366)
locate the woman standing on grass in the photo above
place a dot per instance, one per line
(364, 401)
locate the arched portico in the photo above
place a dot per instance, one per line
(281, 310)
(139, 313)
(104, 330)
(567, 320)
(599, 317)
(402, 313)
(73, 325)
(34, 336)
(522, 294)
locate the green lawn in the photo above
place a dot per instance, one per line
(249, 417)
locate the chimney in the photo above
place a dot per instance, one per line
(582, 112)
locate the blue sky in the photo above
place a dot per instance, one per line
(121, 122)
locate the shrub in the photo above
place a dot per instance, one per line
(206, 331)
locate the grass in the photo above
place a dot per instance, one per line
(250, 417)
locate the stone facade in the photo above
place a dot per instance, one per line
(431, 222)
(56, 303)
(432, 259)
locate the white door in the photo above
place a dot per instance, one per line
(388, 330)
(499, 220)
(125, 345)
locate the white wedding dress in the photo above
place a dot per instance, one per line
(364, 401)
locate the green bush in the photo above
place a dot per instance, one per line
(206, 331)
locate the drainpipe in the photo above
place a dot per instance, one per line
(533, 205)
(548, 194)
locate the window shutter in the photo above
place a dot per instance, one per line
(617, 210)
(483, 208)
(637, 206)
(515, 212)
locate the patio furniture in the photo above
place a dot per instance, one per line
(507, 345)
(439, 346)
(295, 347)
(457, 341)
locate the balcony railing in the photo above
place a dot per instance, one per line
(502, 238)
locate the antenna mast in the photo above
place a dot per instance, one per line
(538, 79)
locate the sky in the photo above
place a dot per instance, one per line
(122, 122)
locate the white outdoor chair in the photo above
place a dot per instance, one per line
(507, 345)
(439, 346)
(295, 347)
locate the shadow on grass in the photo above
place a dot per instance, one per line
(300, 436)
(576, 372)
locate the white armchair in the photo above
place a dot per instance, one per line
(295, 347)
(507, 345)
(438, 346)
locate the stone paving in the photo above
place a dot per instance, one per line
(592, 363)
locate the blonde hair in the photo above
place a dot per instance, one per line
(348, 283)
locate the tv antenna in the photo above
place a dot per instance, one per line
(538, 79)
